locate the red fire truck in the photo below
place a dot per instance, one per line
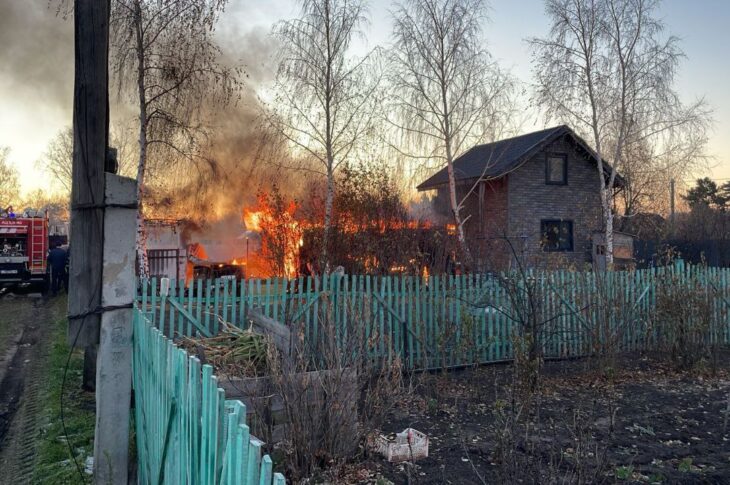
(23, 248)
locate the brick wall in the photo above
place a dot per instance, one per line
(531, 200)
(487, 226)
(514, 206)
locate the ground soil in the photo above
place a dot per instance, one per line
(668, 427)
(25, 339)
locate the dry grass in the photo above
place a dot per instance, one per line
(233, 352)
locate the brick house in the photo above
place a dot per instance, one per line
(533, 198)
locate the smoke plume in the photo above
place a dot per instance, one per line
(37, 55)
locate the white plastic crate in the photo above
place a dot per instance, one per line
(408, 445)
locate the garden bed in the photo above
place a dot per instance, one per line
(668, 427)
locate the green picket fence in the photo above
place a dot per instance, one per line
(186, 430)
(444, 320)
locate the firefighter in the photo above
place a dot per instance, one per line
(57, 264)
(66, 267)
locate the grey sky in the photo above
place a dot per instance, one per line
(36, 73)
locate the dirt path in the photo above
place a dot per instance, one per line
(25, 337)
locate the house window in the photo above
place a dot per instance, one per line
(556, 169)
(557, 235)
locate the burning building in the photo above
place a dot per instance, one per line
(167, 248)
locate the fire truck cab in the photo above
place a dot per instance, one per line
(23, 248)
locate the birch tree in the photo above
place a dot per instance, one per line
(324, 97)
(167, 47)
(607, 68)
(447, 91)
(57, 160)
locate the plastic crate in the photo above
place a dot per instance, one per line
(408, 445)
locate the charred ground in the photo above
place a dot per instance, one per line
(646, 424)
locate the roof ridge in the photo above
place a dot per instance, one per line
(518, 136)
(498, 158)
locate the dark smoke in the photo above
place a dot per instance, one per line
(37, 64)
(36, 55)
(243, 157)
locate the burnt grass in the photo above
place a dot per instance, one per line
(667, 426)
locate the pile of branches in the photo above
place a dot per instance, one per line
(234, 351)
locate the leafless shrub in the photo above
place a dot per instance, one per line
(550, 450)
(588, 460)
(507, 419)
(334, 391)
(683, 329)
(614, 320)
(455, 343)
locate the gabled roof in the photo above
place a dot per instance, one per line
(494, 160)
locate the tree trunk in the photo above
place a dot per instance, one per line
(608, 218)
(328, 207)
(605, 193)
(447, 134)
(141, 238)
(456, 211)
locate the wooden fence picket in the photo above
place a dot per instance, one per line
(187, 433)
(441, 320)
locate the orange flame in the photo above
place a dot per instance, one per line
(252, 220)
(281, 228)
(287, 231)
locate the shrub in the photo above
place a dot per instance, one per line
(683, 329)
(334, 393)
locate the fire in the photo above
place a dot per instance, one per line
(278, 226)
(281, 236)
(252, 220)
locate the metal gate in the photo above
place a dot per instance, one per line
(164, 263)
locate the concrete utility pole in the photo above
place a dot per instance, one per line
(103, 209)
(114, 364)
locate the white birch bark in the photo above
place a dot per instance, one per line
(141, 238)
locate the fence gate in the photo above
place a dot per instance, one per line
(164, 263)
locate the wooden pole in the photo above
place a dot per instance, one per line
(88, 265)
(91, 127)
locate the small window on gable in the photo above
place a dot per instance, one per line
(557, 235)
(556, 169)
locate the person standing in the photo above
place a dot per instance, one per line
(66, 267)
(57, 263)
